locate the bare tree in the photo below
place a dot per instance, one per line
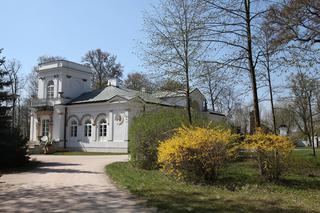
(169, 85)
(175, 45)
(269, 64)
(138, 81)
(296, 20)
(304, 88)
(236, 29)
(215, 80)
(104, 67)
(13, 67)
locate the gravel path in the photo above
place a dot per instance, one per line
(66, 184)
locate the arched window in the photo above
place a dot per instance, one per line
(103, 128)
(87, 128)
(50, 90)
(74, 129)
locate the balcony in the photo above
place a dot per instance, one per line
(45, 102)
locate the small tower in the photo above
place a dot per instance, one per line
(62, 80)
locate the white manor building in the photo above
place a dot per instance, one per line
(68, 112)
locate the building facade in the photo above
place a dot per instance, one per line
(67, 113)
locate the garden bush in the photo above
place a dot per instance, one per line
(196, 154)
(149, 128)
(271, 151)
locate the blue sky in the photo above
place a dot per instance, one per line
(70, 28)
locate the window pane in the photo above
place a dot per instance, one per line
(50, 89)
(45, 127)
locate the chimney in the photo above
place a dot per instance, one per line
(113, 82)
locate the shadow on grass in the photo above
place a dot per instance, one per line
(241, 190)
(181, 201)
(301, 184)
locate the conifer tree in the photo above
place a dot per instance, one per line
(13, 149)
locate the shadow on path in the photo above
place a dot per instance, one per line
(84, 198)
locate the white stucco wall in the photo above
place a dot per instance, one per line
(117, 132)
(71, 82)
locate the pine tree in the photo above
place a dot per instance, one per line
(4, 96)
(13, 150)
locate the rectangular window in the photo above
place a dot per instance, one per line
(45, 127)
(103, 130)
(87, 130)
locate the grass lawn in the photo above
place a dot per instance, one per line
(87, 153)
(238, 189)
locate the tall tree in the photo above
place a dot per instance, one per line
(12, 146)
(138, 81)
(174, 45)
(304, 89)
(13, 68)
(104, 66)
(269, 64)
(5, 96)
(234, 29)
(214, 80)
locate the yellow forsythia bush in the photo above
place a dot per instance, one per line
(271, 152)
(195, 154)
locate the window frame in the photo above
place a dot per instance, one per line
(45, 127)
(87, 128)
(50, 89)
(103, 128)
(74, 129)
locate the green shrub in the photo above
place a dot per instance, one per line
(13, 149)
(196, 154)
(271, 151)
(151, 127)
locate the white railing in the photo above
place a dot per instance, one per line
(45, 102)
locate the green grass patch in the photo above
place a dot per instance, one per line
(87, 153)
(238, 189)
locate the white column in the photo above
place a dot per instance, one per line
(80, 132)
(126, 127)
(31, 127)
(94, 132)
(110, 126)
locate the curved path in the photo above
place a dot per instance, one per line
(66, 184)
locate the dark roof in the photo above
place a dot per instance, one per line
(111, 92)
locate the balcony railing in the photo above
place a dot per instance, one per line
(45, 102)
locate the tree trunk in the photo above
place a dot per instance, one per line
(211, 94)
(251, 65)
(311, 125)
(271, 95)
(188, 95)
